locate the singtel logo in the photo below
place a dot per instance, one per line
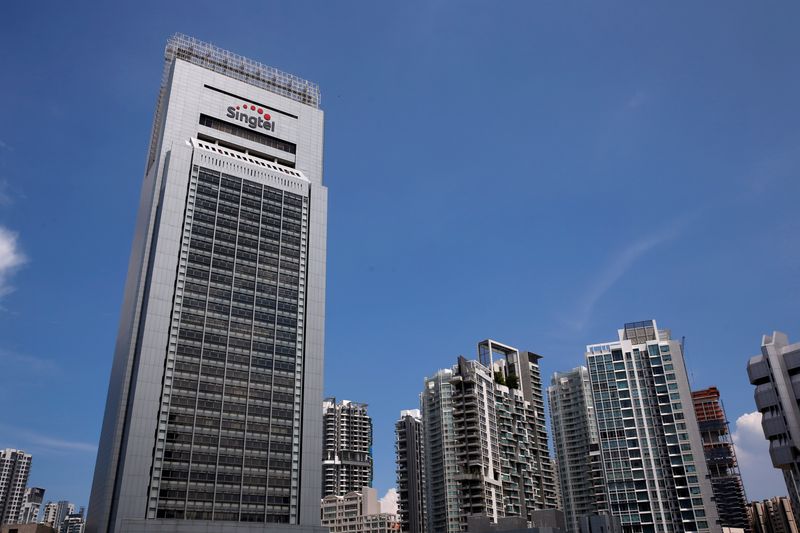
(261, 120)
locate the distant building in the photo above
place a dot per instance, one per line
(346, 447)
(726, 480)
(56, 512)
(773, 516)
(357, 512)
(775, 375)
(15, 466)
(410, 453)
(73, 523)
(27, 528)
(576, 444)
(31, 505)
(650, 444)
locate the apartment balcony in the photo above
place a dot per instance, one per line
(774, 426)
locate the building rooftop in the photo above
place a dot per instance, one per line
(241, 68)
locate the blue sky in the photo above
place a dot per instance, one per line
(533, 172)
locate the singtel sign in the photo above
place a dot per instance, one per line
(258, 118)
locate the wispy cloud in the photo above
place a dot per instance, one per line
(638, 98)
(620, 263)
(26, 439)
(761, 479)
(4, 145)
(10, 359)
(11, 258)
(389, 501)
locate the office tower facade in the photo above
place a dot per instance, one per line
(726, 480)
(528, 471)
(357, 512)
(213, 405)
(15, 467)
(31, 505)
(346, 447)
(485, 440)
(650, 444)
(576, 445)
(56, 512)
(773, 516)
(410, 456)
(775, 374)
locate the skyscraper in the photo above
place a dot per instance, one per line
(213, 404)
(576, 444)
(650, 444)
(31, 505)
(346, 447)
(15, 466)
(528, 472)
(775, 375)
(726, 480)
(410, 451)
(441, 467)
(485, 440)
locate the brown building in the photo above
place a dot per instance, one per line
(773, 516)
(726, 480)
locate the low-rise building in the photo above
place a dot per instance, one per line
(357, 512)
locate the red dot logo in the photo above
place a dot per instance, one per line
(253, 107)
(260, 110)
(266, 116)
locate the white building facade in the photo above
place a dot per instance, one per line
(15, 467)
(650, 444)
(213, 406)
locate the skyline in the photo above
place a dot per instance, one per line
(395, 281)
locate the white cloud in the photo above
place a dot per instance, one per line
(29, 440)
(761, 479)
(11, 258)
(389, 501)
(621, 262)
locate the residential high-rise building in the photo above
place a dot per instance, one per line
(773, 516)
(775, 375)
(213, 409)
(15, 467)
(528, 471)
(576, 444)
(442, 489)
(485, 442)
(73, 523)
(650, 444)
(410, 453)
(726, 480)
(346, 447)
(31, 505)
(56, 512)
(357, 512)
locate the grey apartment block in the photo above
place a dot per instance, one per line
(527, 470)
(650, 444)
(212, 420)
(576, 443)
(442, 488)
(31, 505)
(410, 454)
(346, 447)
(15, 467)
(486, 449)
(776, 375)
